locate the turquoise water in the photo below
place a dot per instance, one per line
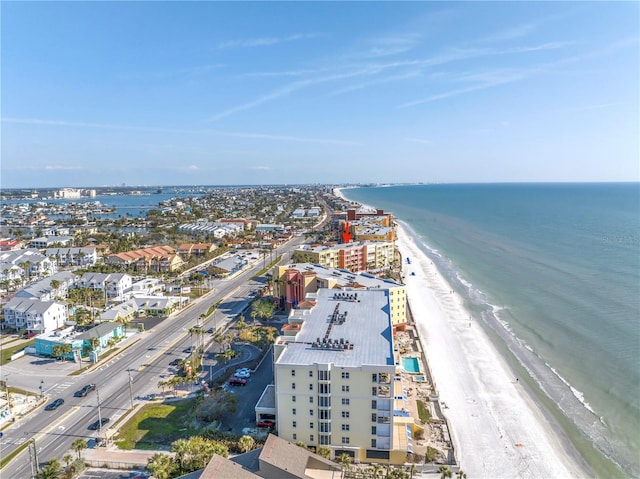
(554, 272)
(411, 365)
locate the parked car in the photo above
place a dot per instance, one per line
(98, 424)
(54, 405)
(85, 390)
(210, 330)
(175, 362)
(242, 374)
(234, 381)
(265, 423)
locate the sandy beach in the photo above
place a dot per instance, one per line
(498, 430)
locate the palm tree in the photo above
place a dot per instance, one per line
(246, 443)
(160, 465)
(461, 474)
(56, 351)
(66, 350)
(51, 470)
(344, 460)
(445, 472)
(78, 446)
(182, 450)
(68, 459)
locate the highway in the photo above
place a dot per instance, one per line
(145, 360)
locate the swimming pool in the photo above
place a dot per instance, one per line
(411, 365)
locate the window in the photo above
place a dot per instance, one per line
(374, 417)
(325, 440)
(374, 404)
(294, 424)
(310, 374)
(345, 388)
(293, 399)
(293, 411)
(345, 375)
(310, 437)
(293, 385)
(324, 388)
(311, 400)
(310, 425)
(345, 401)
(293, 372)
(310, 387)
(374, 378)
(324, 427)
(310, 412)
(345, 440)
(324, 414)
(323, 375)
(295, 436)
(374, 391)
(345, 427)
(374, 430)
(373, 442)
(324, 401)
(345, 414)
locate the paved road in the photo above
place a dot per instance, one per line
(146, 361)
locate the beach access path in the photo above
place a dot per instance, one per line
(498, 431)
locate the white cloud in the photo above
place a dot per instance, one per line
(419, 140)
(265, 41)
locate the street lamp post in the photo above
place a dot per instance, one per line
(99, 413)
(41, 388)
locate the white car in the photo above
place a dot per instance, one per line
(242, 374)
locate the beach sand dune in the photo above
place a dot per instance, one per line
(498, 430)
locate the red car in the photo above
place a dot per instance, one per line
(265, 423)
(237, 382)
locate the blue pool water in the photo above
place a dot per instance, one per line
(411, 365)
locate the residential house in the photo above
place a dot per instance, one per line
(79, 257)
(33, 315)
(114, 285)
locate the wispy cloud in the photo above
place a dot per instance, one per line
(265, 41)
(192, 168)
(62, 167)
(234, 134)
(510, 33)
(290, 88)
(419, 140)
(391, 45)
(377, 81)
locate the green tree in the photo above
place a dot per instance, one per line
(182, 450)
(160, 465)
(78, 446)
(51, 470)
(445, 472)
(56, 351)
(246, 444)
(344, 460)
(461, 474)
(324, 451)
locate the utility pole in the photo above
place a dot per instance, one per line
(130, 388)
(33, 457)
(99, 414)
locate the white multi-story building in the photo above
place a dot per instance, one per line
(73, 256)
(113, 284)
(33, 315)
(335, 377)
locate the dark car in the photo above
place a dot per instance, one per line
(234, 381)
(175, 362)
(98, 424)
(210, 330)
(54, 405)
(85, 390)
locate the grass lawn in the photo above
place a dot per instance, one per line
(7, 352)
(156, 426)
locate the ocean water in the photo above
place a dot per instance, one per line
(553, 272)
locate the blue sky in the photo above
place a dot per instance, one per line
(148, 93)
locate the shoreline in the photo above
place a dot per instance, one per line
(499, 427)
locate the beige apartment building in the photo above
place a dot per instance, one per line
(336, 383)
(360, 256)
(293, 282)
